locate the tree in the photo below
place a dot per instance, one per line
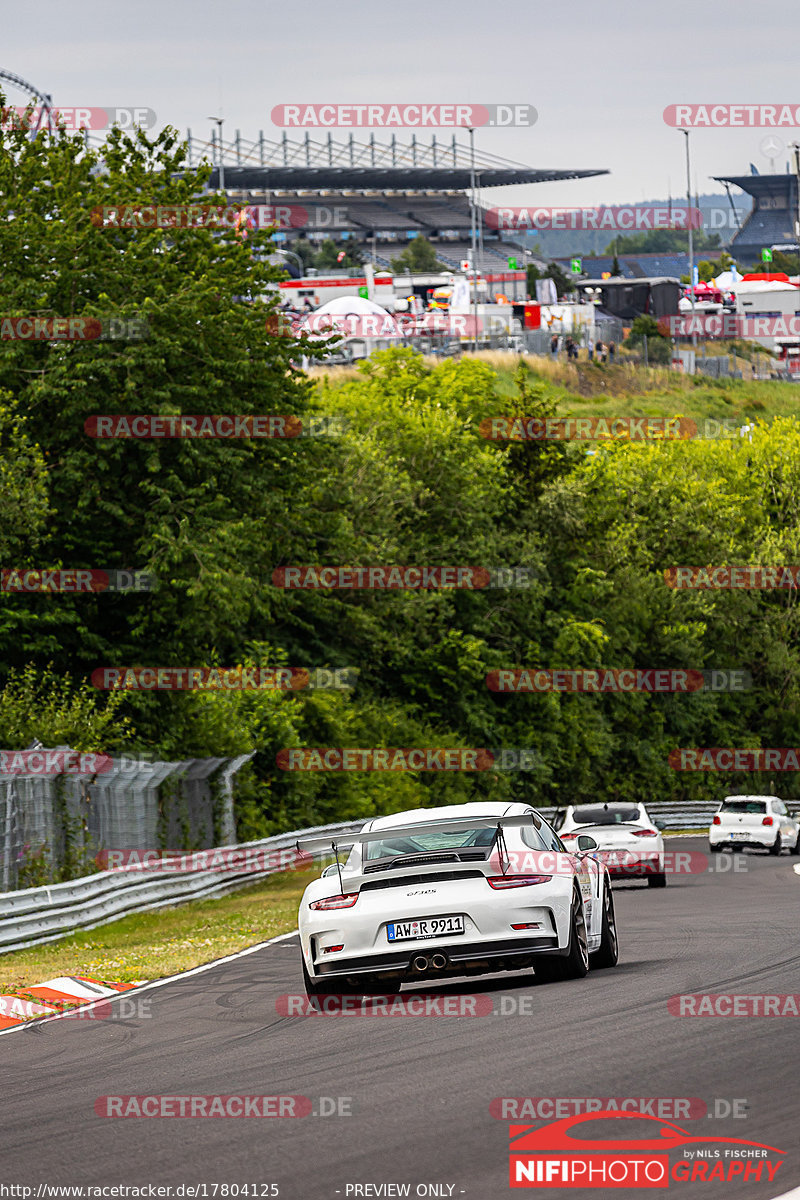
(419, 257)
(533, 273)
(655, 241)
(659, 348)
(563, 283)
(204, 516)
(327, 258)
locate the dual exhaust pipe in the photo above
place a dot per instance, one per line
(421, 962)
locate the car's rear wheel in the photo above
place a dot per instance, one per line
(607, 953)
(575, 963)
(716, 848)
(776, 846)
(657, 881)
(796, 846)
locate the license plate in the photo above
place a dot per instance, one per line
(429, 927)
(740, 835)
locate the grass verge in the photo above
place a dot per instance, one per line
(150, 945)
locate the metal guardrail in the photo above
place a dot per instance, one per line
(44, 914)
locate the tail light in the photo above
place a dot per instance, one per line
(717, 820)
(346, 901)
(501, 882)
(767, 821)
(568, 837)
(645, 833)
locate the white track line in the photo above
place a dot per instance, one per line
(157, 983)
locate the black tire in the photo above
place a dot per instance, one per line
(796, 847)
(607, 954)
(325, 986)
(776, 846)
(657, 881)
(716, 848)
(381, 987)
(575, 963)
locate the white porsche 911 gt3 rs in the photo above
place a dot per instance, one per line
(469, 889)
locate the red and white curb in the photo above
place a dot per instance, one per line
(86, 1004)
(52, 997)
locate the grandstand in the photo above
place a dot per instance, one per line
(771, 221)
(381, 195)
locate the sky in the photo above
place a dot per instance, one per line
(598, 74)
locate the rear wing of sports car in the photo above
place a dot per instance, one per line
(446, 825)
(333, 842)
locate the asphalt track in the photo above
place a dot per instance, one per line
(420, 1087)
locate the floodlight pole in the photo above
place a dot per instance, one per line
(472, 227)
(219, 122)
(691, 240)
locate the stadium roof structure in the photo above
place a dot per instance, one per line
(369, 165)
(762, 185)
(772, 224)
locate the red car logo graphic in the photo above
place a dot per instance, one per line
(556, 1136)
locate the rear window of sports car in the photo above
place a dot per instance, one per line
(606, 816)
(744, 806)
(425, 842)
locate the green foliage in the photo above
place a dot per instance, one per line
(410, 480)
(327, 257)
(39, 703)
(419, 256)
(663, 241)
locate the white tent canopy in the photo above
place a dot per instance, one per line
(348, 305)
(349, 316)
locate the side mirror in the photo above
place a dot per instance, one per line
(586, 843)
(331, 870)
(659, 824)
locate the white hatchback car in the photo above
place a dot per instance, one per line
(762, 821)
(630, 845)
